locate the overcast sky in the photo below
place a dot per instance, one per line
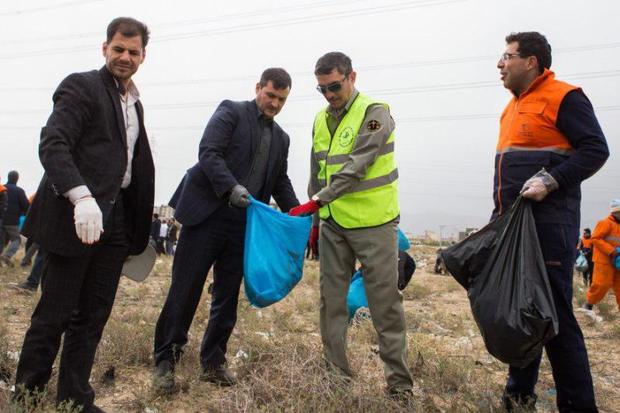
(433, 61)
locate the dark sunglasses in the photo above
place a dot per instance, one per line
(333, 87)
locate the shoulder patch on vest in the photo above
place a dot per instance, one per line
(373, 125)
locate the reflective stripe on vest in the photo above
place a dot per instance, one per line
(528, 123)
(374, 200)
(613, 239)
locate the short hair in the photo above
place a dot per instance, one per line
(156, 215)
(333, 60)
(533, 44)
(13, 177)
(278, 77)
(128, 27)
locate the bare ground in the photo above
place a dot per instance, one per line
(276, 353)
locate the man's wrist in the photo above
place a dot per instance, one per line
(77, 193)
(316, 199)
(550, 182)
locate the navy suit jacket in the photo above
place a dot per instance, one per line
(224, 160)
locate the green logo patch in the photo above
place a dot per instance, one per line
(346, 137)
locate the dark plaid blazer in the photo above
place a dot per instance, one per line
(84, 143)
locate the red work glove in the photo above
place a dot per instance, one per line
(308, 208)
(314, 240)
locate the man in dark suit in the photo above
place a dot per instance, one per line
(242, 152)
(93, 208)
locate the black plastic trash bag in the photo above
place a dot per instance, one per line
(503, 270)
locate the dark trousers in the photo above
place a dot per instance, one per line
(76, 299)
(36, 273)
(566, 351)
(217, 242)
(31, 249)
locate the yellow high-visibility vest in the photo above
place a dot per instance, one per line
(374, 200)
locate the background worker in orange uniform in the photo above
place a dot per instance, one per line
(585, 247)
(606, 240)
(549, 142)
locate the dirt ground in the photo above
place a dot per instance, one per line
(276, 352)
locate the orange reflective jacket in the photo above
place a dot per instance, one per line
(606, 238)
(586, 243)
(529, 139)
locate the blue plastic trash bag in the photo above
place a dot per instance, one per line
(273, 258)
(581, 263)
(20, 224)
(357, 295)
(403, 242)
(617, 260)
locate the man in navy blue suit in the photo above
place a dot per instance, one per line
(242, 152)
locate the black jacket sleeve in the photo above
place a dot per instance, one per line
(577, 121)
(24, 204)
(63, 131)
(213, 146)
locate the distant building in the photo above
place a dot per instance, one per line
(430, 236)
(164, 211)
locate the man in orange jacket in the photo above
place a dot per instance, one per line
(550, 141)
(606, 240)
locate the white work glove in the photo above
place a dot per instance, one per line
(539, 186)
(88, 220)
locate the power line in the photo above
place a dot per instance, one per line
(185, 22)
(387, 66)
(378, 92)
(253, 26)
(49, 7)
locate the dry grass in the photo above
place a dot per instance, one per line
(276, 353)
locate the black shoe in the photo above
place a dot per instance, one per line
(26, 287)
(518, 402)
(163, 378)
(219, 375)
(587, 306)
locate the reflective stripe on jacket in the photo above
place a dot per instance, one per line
(606, 238)
(529, 140)
(374, 200)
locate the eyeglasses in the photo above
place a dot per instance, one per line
(333, 87)
(508, 56)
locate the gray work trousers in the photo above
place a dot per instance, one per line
(15, 240)
(376, 249)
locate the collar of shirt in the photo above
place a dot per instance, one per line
(133, 94)
(339, 113)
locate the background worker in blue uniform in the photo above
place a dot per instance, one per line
(548, 124)
(354, 187)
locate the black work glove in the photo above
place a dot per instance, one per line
(239, 197)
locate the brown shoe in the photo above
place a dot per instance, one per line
(219, 375)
